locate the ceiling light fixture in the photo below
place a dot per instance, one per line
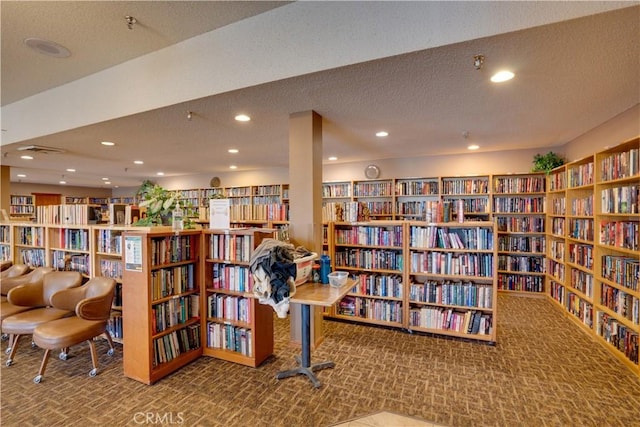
(70, 170)
(63, 182)
(233, 167)
(332, 158)
(138, 162)
(107, 182)
(131, 21)
(502, 76)
(26, 157)
(242, 118)
(105, 179)
(21, 175)
(160, 173)
(108, 143)
(233, 150)
(478, 61)
(47, 47)
(382, 134)
(473, 147)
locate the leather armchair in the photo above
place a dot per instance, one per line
(37, 294)
(7, 284)
(5, 264)
(11, 272)
(92, 305)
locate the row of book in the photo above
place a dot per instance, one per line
(372, 309)
(525, 224)
(624, 271)
(232, 248)
(5, 234)
(374, 259)
(22, 200)
(229, 307)
(231, 277)
(521, 263)
(621, 200)
(465, 322)
(21, 210)
(529, 244)
(417, 188)
(465, 186)
(582, 281)
(580, 308)
(266, 190)
(581, 254)
(380, 285)
(582, 229)
(580, 175)
(167, 250)
(30, 236)
(172, 345)
(416, 209)
(457, 264)
(520, 282)
(373, 189)
(520, 184)
(623, 303)
(558, 205)
(114, 325)
(556, 291)
(111, 268)
(65, 214)
(74, 239)
(174, 312)
(230, 337)
(472, 238)
(370, 235)
(557, 226)
(336, 190)
(621, 337)
(378, 208)
(62, 260)
(581, 206)
(519, 204)
(110, 242)
(621, 234)
(5, 253)
(555, 269)
(461, 293)
(620, 165)
(33, 257)
(270, 211)
(172, 281)
(557, 249)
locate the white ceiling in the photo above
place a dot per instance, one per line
(570, 77)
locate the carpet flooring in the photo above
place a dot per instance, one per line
(544, 371)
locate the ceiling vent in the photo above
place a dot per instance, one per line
(41, 149)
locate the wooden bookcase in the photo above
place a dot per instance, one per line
(107, 261)
(161, 301)
(22, 206)
(335, 196)
(236, 327)
(452, 279)
(29, 245)
(373, 253)
(69, 248)
(377, 196)
(617, 251)
(6, 242)
(519, 212)
(555, 234)
(412, 196)
(473, 191)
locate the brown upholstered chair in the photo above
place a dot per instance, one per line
(37, 294)
(5, 265)
(92, 305)
(13, 271)
(6, 308)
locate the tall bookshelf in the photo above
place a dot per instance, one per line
(452, 273)
(161, 302)
(617, 251)
(29, 245)
(236, 327)
(69, 248)
(107, 261)
(335, 197)
(22, 206)
(377, 196)
(374, 255)
(519, 212)
(555, 235)
(412, 196)
(579, 242)
(6, 242)
(473, 191)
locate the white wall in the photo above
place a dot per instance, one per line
(24, 188)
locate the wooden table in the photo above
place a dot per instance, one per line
(306, 295)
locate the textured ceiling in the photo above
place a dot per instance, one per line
(570, 77)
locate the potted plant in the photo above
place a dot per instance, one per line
(159, 203)
(546, 162)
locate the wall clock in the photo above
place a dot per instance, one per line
(372, 172)
(215, 182)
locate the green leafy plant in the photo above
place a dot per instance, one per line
(546, 162)
(159, 202)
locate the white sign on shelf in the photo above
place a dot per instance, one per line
(219, 214)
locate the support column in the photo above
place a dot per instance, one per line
(305, 201)
(5, 185)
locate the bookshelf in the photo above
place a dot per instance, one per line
(22, 206)
(412, 196)
(160, 301)
(452, 279)
(377, 196)
(6, 242)
(235, 326)
(29, 245)
(473, 191)
(107, 261)
(555, 235)
(335, 196)
(69, 248)
(519, 212)
(373, 254)
(617, 248)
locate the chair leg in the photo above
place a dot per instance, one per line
(94, 359)
(111, 349)
(43, 366)
(64, 353)
(15, 338)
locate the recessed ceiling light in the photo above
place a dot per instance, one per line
(63, 182)
(138, 162)
(105, 179)
(108, 143)
(233, 150)
(473, 147)
(47, 47)
(502, 76)
(107, 182)
(27, 157)
(160, 173)
(243, 118)
(333, 158)
(21, 175)
(382, 134)
(70, 170)
(233, 167)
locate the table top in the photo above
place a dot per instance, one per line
(319, 294)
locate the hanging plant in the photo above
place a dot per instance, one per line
(546, 162)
